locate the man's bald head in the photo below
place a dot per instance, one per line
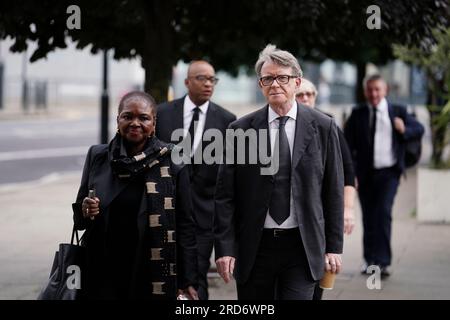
(197, 65)
(200, 81)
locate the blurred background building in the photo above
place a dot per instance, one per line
(71, 78)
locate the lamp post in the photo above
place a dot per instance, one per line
(2, 70)
(25, 87)
(104, 119)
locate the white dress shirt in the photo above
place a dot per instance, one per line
(291, 221)
(188, 113)
(383, 153)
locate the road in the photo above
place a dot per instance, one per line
(34, 149)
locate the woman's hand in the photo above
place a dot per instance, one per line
(189, 293)
(349, 215)
(225, 267)
(90, 207)
(349, 220)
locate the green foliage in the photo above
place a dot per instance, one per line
(229, 33)
(435, 61)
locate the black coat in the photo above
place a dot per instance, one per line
(243, 194)
(97, 173)
(357, 134)
(203, 180)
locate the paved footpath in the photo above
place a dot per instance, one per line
(36, 217)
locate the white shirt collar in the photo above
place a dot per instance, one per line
(189, 106)
(291, 114)
(382, 106)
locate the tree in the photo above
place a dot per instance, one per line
(313, 30)
(131, 28)
(229, 33)
(435, 61)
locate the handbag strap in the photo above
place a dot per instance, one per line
(75, 236)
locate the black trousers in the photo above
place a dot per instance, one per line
(377, 196)
(281, 270)
(318, 292)
(205, 242)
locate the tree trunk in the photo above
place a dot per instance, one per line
(158, 54)
(157, 79)
(360, 74)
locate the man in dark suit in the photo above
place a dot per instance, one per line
(277, 233)
(195, 113)
(376, 133)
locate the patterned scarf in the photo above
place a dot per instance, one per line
(156, 218)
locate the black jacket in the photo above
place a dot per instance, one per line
(203, 178)
(357, 134)
(97, 173)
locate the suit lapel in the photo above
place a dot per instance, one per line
(365, 124)
(304, 131)
(210, 121)
(392, 114)
(177, 111)
(108, 186)
(260, 121)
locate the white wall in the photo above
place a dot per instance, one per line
(73, 76)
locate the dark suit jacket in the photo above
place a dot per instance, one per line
(243, 194)
(357, 134)
(347, 161)
(203, 181)
(97, 173)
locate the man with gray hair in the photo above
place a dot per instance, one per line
(277, 234)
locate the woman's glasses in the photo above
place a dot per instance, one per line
(307, 94)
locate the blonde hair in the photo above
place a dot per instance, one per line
(307, 85)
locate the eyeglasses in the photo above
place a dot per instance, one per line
(204, 79)
(307, 94)
(281, 79)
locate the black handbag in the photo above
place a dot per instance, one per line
(413, 148)
(65, 281)
(413, 152)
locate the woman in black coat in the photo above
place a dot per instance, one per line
(306, 95)
(140, 235)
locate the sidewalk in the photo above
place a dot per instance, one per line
(13, 112)
(35, 218)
